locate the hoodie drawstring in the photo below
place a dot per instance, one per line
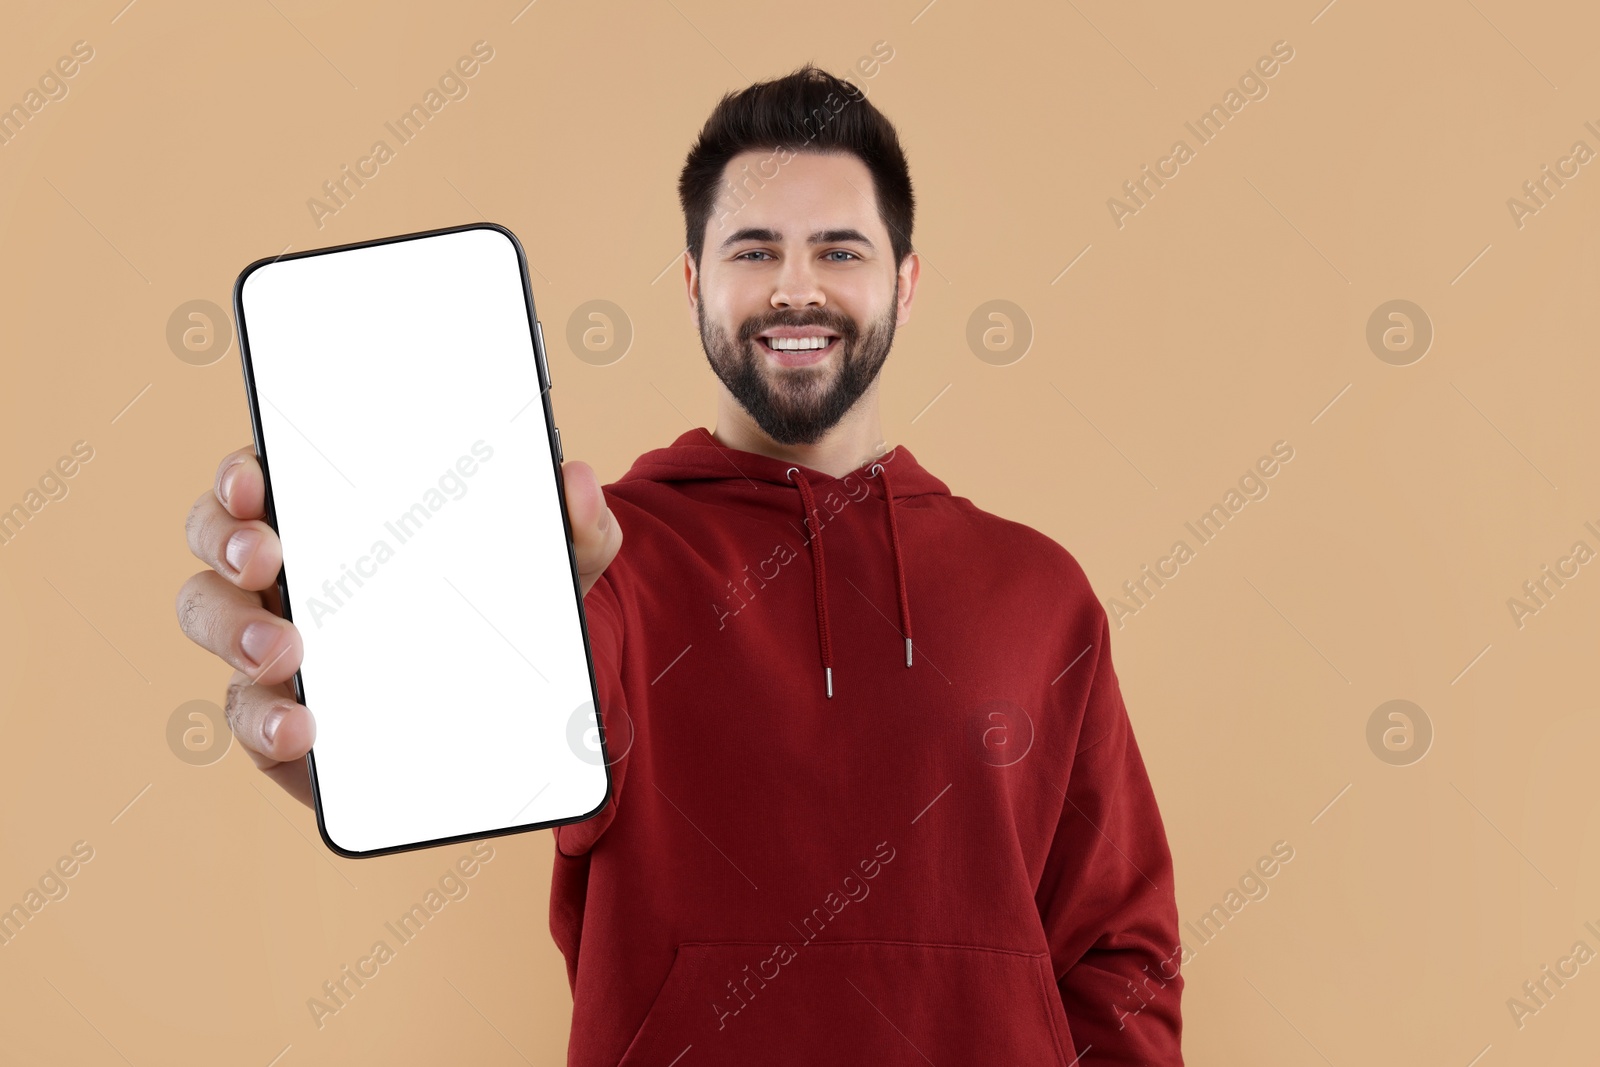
(899, 564)
(819, 567)
(818, 571)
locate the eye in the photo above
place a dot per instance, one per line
(751, 252)
(842, 252)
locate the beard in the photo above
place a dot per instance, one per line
(799, 405)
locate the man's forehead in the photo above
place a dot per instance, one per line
(810, 193)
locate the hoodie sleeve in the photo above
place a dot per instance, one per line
(570, 874)
(1107, 897)
(603, 616)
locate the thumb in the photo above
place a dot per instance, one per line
(596, 535)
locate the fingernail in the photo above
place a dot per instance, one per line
(229, 476)
(241, 546)
(269, 725)
(258, 639)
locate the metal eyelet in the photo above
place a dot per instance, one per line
(787, 474)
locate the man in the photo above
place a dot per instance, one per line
(832, 838)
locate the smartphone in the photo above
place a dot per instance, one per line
(399, 396)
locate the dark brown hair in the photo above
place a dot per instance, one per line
(807, 111)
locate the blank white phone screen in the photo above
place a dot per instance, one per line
(424, 551)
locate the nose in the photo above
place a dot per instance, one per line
(796, 285)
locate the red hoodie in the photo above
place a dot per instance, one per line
(955, 858)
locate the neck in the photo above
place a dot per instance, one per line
(854, 441)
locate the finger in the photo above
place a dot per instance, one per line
(239, 486)
(245, 551)
(274, 730)
(232, 624)
(596, 534)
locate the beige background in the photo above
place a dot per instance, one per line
(1228, 314)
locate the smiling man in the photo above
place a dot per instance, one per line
(831, 838)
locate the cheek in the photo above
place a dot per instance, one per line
(728, 306)
(871, 302)
(724, 320)
(859, 304)
(721, 324)
(876, 316)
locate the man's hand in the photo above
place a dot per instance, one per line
(596, 537)
(235, 611)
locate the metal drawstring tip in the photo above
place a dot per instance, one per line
(828, 674)
(908, 652)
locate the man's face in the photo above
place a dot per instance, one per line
(797, 295)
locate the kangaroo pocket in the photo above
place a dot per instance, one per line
(879, 1002)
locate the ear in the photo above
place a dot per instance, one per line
(691, 286)
(910, 272)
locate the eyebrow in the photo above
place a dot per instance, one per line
(821, 237)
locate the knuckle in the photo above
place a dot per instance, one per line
(191, 527)
(196, 525)
(191, 601)
(230, 704)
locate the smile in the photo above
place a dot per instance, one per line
(795, 347)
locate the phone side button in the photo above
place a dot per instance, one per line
(559, 457)
(538, 350)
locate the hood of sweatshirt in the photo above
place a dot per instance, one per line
(894, 476)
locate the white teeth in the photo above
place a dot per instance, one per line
(798, 344)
